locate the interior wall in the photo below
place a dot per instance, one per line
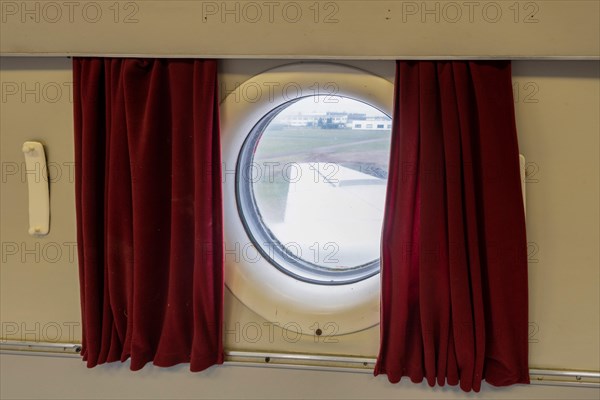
(31, 377)
(375, 29)
(558, 122)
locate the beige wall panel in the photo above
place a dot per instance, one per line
(558, 120)
(25, 377)
(558, 114)
(302, 29)
(39, 295)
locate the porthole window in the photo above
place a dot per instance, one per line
(305, 149)
(311, 187)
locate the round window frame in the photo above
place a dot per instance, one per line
(274, 295)
(258, 231)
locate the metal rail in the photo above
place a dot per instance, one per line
(329, 363)
(302, 57)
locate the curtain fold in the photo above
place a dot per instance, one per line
(149, 211)
(454, 304)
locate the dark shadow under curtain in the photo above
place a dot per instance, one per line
(149, 211)
(454, 264)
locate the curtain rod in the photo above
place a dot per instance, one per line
(330, 363)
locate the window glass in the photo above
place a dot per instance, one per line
(312, 178)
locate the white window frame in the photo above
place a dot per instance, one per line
(263, 288)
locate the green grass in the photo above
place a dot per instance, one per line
(277, 142)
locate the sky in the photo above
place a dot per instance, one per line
(330, 104)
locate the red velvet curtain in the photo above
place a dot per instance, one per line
(149, 211)
(454, 266)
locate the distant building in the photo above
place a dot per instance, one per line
(303, 120)
(336, 120)
(356, 117)
(316, 119)
(373, 124)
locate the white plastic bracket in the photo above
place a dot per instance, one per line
(39, 196)
(523, 168)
